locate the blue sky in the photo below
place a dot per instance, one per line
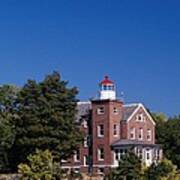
(137, 43)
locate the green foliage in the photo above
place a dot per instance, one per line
(160, 120)
(130, 168)
(40, 166)
(46, 113)
(168, 135)
(165, 170)
(8, 95)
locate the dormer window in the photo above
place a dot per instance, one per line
(100, 110)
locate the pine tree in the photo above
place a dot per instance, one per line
(46, 113)
(8, 95)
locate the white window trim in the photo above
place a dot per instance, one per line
(85, 124)
(86, 141)
(101, 110)
(117, 130)
(141, 132)
(115, 111)
(133, 131)
(75, 157)
(99, 130)
(99, 154)
(85, 161)
(149, 133)
(141, 116)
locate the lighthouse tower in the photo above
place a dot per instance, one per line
(107, 89)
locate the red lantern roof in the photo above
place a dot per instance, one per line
(106, 81)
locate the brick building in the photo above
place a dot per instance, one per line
(111, 128)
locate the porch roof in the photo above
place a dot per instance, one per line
(125, 143)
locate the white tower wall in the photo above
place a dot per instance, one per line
(107, 94)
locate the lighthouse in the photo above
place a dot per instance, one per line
(107, 89)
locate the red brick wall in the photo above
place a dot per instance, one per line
(123, 130)
(108, 119)
(145, 125)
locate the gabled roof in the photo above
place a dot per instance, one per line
(128, 110)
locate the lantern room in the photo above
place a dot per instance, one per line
(107, 89)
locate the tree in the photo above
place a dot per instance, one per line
(46, 113)
(160, 120)
(8, 95)
(39, 166)
(168, 135)
(164, 170)
(130, 168)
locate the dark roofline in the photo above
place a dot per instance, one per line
(131, 143)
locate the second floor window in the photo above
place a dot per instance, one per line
(140, 136)
(149, 135)
(115, 130)
(132, 133)
(100, 130)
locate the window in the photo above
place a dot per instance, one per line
(100, 154)
(116, 155)
(100, 130)
(140, 134)
(77, 156)
(157, 154)
(86, 142)
(85, 159)
(115, 130)
(122, 152)
(100, 171)
(115, 110)
(149, 135)
(140, 117)
(132, 133)
(147, 154)
(139, 153)
(100, 110)
(85, 124)
(105, 87)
